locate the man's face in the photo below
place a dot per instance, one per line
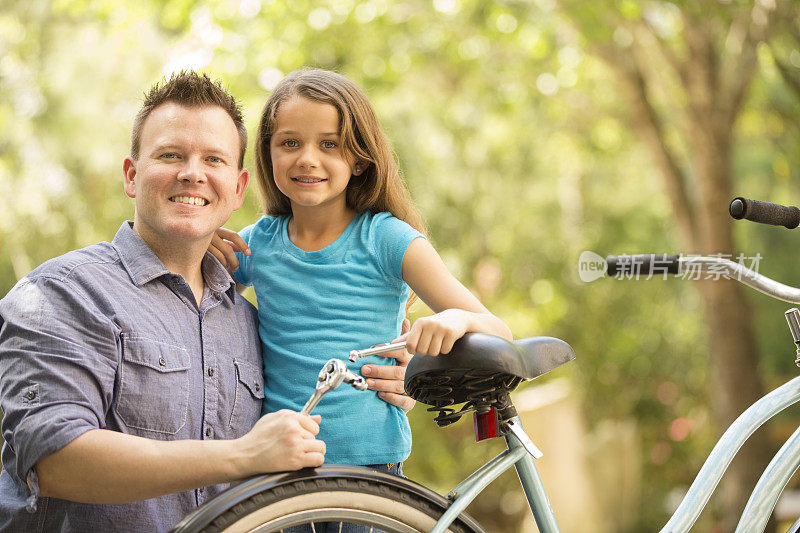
(186, 180)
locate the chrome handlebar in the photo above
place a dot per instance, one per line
(751, 278)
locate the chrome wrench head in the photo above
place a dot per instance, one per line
(333, 373)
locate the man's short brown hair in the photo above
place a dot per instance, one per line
(189, 89)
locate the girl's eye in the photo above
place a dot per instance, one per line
(289, 143)
(328, 144)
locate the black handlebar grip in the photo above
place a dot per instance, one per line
(765, 212)
(643, 264)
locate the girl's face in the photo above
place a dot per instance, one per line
(309, 164)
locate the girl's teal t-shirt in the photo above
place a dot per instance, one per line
(313, 306)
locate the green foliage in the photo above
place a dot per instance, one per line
(514, 142)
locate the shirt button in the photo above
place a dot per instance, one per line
(162, 362)
(258, 387)
(208, 432)
(210, 372)
(30, 395)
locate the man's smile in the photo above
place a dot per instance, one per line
(191, 200)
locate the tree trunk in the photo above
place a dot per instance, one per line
(710, 72)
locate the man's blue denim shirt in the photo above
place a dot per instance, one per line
(107, 338)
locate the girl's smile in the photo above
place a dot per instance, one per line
(307, 180)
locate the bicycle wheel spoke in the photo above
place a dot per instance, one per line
(340, 526)
(313, 529)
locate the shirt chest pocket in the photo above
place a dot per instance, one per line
(248, 396)
(154, 385)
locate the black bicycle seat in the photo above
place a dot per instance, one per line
(480, 358)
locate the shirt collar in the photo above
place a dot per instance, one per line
(143, 265)
(217, 278)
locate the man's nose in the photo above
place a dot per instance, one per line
(192, 171)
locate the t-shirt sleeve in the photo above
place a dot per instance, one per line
(243, 274)
(390, 238)
(58, 359)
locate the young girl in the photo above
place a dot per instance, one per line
(333, 260)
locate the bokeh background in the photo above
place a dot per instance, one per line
(528, 131)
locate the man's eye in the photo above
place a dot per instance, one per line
(170, 156)
(214, 159)
(328, 144)
(289, 143)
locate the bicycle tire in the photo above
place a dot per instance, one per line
(327, 494)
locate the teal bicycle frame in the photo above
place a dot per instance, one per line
(516, 455)
(756, 513)
(766, 492)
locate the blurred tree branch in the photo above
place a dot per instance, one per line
(783, 44)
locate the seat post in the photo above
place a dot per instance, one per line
(532, 486)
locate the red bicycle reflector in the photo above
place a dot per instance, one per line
(485, 425)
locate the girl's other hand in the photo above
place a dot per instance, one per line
(224, 244)
(435, 334)
(388, 379)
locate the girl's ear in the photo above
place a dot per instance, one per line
(360, 167)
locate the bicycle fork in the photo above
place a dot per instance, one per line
(520, 453)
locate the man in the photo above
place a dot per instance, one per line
(131, 372)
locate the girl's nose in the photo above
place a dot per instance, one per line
(192, 171)
(307, 157)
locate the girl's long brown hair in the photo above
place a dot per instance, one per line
(379, 188)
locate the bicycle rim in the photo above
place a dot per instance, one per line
(337, 509)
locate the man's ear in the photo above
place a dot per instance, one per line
(241, 187)
(129, 173)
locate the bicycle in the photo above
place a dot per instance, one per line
(479, 374)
